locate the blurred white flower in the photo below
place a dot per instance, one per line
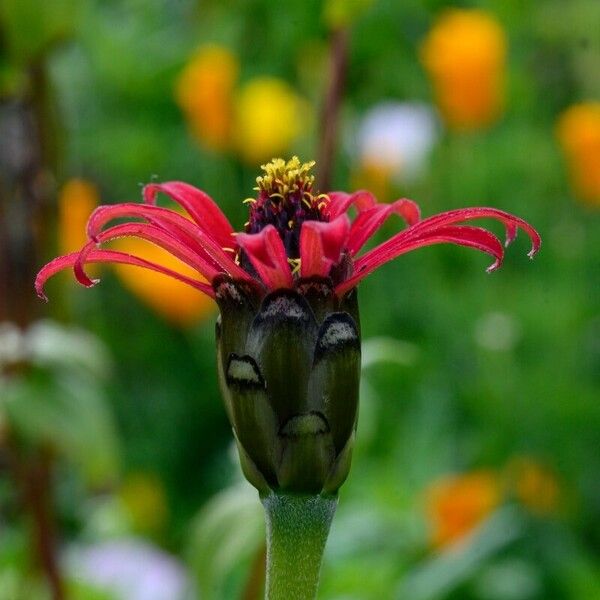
(47, 343)
(130, 569)
(497, 331)
(397, 137)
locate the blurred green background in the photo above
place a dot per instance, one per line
(477, 468)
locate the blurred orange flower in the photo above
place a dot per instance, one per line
(204, 92)
(578, 131)
(465, 55)
(259, 119)
(457, 504)
(534, 485)
(76, 200)
(173, 300)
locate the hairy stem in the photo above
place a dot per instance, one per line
(297, 529)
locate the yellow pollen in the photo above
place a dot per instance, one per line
(291, 223)
(295, 263)
(249, 201)
(283, 177)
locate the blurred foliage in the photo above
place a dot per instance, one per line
(475, 373)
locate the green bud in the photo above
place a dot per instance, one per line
(289, 368)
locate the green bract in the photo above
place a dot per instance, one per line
(289, 368)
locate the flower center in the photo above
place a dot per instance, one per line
(285, 200)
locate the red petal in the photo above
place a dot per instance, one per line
(401, 243)
(111, 256)
(267, 255)
(322, 244)
(180, 228)
(450, 217)
(200, 206)
(368, 222)
(155, 235)
(340, 202)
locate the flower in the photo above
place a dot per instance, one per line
(393, 141)
(258, 119)
(457, 504)
(288, 334)
(578, 131)
(77, 199)
(397, 137)
(465, 55)
(129, 568)
(204, 92)
(269, 116)
(171, 299)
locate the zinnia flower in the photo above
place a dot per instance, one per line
(288, 335)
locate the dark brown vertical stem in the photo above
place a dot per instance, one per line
(32, 473)
(26, 190)
(331, 108)
(37, 489)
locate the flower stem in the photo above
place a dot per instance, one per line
(297, 529)
(331, 107)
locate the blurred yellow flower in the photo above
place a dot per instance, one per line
(204, 91)
(534, 485)
(76, 200)
(269, 116)
(143, 497)
(578, 131)
(457, 504)
(465, 56)
(175, 301)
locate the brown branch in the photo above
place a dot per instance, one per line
(330, 113)
(32, 475)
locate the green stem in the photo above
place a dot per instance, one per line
(297, 529)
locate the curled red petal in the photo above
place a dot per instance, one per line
(368, 222)
(340, 202)
(462, 235)
(186, 231)
(200, 206)
(111, 256)
(266, 252)
(322, 244)
(153, 234)
(511, 222)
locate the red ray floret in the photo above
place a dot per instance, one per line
(199, 205)
(442, 229)
(183, 230)
(368, 221)
(291, 233)
(111, 256)
(266, 252)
